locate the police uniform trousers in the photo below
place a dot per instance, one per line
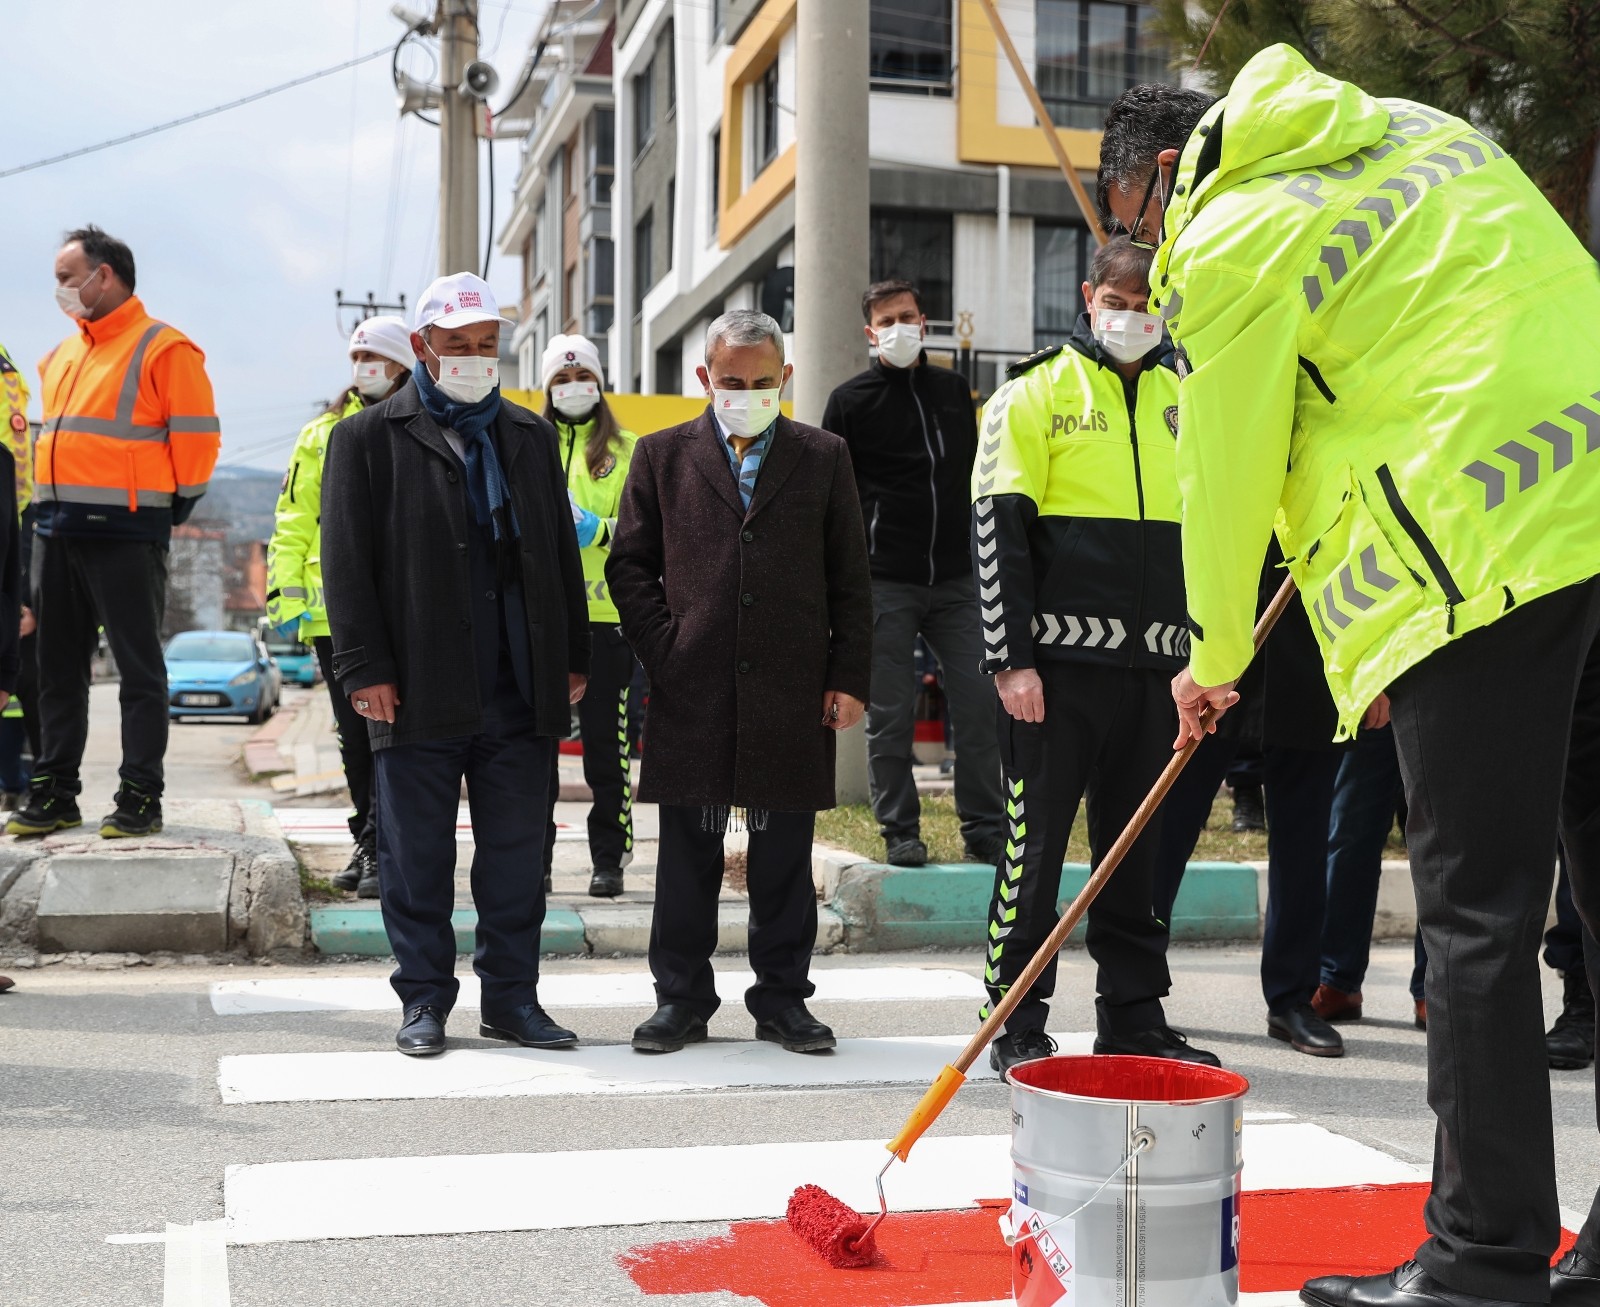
(603, 728)
(783, 909)
(1107, 733)
(506, 766)
(1499, 741)
(355, 749)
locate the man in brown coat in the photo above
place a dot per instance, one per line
(739, 569)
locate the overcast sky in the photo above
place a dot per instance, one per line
(242, 225)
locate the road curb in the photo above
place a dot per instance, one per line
(359, 930)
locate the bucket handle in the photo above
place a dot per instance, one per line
(1142, 1140)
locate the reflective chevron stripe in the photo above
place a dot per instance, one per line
(990, 609)
(1085, 632)
(1162, 638)
(625, 817)
(1528, 461)
(1008, 886)
(1327, 609)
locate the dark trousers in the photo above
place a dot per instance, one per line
(417, 790)
(355, 749)
(28, 693)
(946, 616)
(1488, 777)
(603, 728)
(1366, 795)
(80, 586)
(1299, 795)
(1107, 733)
(1184, 813)
(1563, 942)
(783, 911)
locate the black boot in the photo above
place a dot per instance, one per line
(363, 863)
(1249, 811)
(1569, 1044)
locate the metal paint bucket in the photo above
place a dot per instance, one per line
(1126, 1183)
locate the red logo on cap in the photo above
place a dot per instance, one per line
(470, 299)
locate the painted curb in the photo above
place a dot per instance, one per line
(946, 905)
(360, 931)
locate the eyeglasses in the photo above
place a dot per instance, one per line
(1135, 232)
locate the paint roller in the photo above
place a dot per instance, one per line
(839, 1234)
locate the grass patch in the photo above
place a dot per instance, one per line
(853, 827)
(315, 888)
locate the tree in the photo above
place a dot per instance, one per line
(1526, 72)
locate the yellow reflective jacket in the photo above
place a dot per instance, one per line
(1390, 351)
(18, 437)
(1075, 513)
(294, 554)
(600, 495)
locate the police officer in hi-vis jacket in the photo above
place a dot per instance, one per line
(1080, 579)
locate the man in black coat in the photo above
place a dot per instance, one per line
(460, 632)
(913, 433)
(739, 569)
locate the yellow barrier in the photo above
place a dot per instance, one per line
(640, 414)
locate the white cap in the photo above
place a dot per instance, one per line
(569, 352)
(458, 300)
(387, 336)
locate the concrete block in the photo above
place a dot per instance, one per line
(139, 903)
(626, 929)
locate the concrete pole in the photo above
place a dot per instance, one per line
(458, 141)
(831, 226)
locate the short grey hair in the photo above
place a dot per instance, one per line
(744, 327)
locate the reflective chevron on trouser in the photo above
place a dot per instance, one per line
(1327, 608)
(990, 610)
(1529, 461)
(625, 814)
(1085, 632)
(1007, 885)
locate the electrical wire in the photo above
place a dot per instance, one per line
(193, 117)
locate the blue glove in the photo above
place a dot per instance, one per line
(289, 630)
(588, 525)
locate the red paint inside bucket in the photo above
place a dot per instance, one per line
(1130, 1079)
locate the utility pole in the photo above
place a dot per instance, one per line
(458, 139)
(831, 224)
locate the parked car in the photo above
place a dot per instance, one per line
(296, 661)
(221, 673)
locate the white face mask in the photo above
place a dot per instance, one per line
(467, 378)
(1127, 336)
(900, 344)
(746, 412)
(573, 399)
(372, 379)
(70, 298)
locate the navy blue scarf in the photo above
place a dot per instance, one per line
(486, 482)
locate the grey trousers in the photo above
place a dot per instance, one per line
(946, 616)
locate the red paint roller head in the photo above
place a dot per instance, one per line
(832, 1230)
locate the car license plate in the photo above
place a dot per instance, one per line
(200, 700)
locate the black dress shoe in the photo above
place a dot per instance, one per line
(1163, 1041)
(1575, 1281)
(606, 883)
(422, 1031)
(672, 1026)
(529, 1025)
(1305, 1032)
(1024, 1046)
(1408, 1285)
(797, 1030)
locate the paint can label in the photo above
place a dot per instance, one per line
(1230, 1229)
(1042, 1273)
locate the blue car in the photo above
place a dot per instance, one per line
(220, 674)
(296, 661)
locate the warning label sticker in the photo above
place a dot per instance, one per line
(1041, 1258)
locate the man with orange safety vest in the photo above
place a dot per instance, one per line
(130, 438)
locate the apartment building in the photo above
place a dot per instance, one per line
(966, 198)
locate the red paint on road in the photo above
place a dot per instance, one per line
(1287, 1236)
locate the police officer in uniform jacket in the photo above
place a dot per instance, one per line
(1075, 540)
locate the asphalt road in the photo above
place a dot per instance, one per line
(113, 1124)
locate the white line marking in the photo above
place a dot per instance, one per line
(196, 1272)
(287, 1201)
(328, 826)
(231, 998)
(602, 1069)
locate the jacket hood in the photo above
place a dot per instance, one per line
(1280, 115)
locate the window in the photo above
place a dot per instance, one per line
(765, 136)
(601, 270)
(920, 248)
(644, 108)
(911, 46)
(540, 244)
(1089, 52)
(665, 50)
(719, 18)
(1061, 253)
(716, 179)
(570, 308)
(672, 220)
(602, 155)
(644, 232)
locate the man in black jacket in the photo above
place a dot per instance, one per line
(460, 632)
(912, 434)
